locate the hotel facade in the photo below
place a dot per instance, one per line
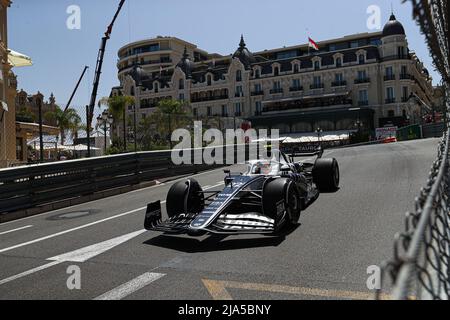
(358, 80)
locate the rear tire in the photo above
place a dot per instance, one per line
(326, 175)
(185, 197)
(282, 191)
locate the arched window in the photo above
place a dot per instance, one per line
(239, 75)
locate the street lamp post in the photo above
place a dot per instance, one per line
(105, 120)
(319, 132)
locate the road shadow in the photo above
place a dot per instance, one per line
(213, 243)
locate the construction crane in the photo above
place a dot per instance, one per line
(98, 68)
(76, 88)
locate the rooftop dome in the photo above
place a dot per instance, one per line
(244, 55)
(393, 27)
(186, 64)
(137, 73)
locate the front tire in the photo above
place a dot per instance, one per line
(283, 192)
(185, 197)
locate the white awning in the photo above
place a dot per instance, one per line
(17, 59)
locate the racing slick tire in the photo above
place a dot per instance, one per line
(282, 191)
(185, 197)
(326, 175)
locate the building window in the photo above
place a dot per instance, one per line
(209, 80)
(362, 75)
(390, 95)
(181, 84)
(401, 52)
(339, 77)
(257, 73)
(258, 108)
(317, 81)
(362, 59)
(237, 109)
(209, 111)
(181, 97)
(405, 96)
(389, 71)
(195, 112)
(316, 65)
(296, 68)
(296, 83)
(258, 88)
(276, 71)
(19, 149)
(363, 98)
(338, 62)
(239, 91)
(224, 111)
(239, 76)
(156, 87)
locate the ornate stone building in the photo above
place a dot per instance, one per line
(363, 79)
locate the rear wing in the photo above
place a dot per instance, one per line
(296, 151)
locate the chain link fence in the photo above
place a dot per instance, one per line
(420, 267)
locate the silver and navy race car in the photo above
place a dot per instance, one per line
(266, 199)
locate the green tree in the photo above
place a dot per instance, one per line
(68, 121)
(117, 106)
(169, 115)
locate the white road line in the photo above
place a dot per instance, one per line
(27, 273)
(14, 230)
(130, 287)
(80, 255)
(70, 230)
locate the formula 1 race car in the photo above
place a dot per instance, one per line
(264, 200)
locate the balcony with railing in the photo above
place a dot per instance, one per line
(406, 76)
(296, 89)
(317, 86)
(390, 100)
(257, 93)
(342, 83)
(405, 99)
(389, 77)
(276, 91)
(208, 98)
(362, 80)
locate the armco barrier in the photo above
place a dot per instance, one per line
(30, 186)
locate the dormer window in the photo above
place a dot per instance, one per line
(276, 71)
(338, 62)
(209, 80)
(156, 85)
(316, 65)
(257, 73)
(296, 68)
(361, 59)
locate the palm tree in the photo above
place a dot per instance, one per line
(65, 121)
(117, 108)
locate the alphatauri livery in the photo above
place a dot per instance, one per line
(267, 198)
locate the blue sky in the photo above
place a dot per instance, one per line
(38, 29)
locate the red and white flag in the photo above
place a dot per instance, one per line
(313, 44)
